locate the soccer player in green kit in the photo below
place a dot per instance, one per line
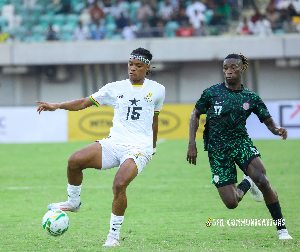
(227, 106)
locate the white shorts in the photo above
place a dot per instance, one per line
(114, 154)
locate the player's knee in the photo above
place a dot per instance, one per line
(231, 204)
(119, 186)
(262, 182)
(74, 162)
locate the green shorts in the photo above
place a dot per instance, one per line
(222, 162)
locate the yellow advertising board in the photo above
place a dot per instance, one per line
(94, 123)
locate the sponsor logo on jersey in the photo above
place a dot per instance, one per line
(255, 151)
(246, 106)
(148, 97)
(216, 179)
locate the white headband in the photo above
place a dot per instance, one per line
(141, 58)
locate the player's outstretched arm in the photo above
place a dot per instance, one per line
(193, 127)
(70, 105)
(275, 128)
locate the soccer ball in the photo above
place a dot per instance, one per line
(55, 222)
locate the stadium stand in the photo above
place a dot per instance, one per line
(28, 21)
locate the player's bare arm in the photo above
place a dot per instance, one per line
(193, 127)
(155, 130)
(70, 105)
(275, 128)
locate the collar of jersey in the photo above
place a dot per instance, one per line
(232, 90)
(140, 86)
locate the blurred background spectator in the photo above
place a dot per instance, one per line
(165, 10)
(144, 12)
(51, 34)
(96, 13)
(181, 17)
(85, 15)
(289, 26)
(81, 32)
(221, 14)
(121, 21)
(129, 32)
(245, 27)
(185, 30)
(97, 31)
(120, 8)
(272, 14)
(262, 27)
(257, 14)
(64, 7)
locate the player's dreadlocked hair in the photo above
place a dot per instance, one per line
(143, 52)
(241, 57)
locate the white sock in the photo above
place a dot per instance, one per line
(115, 225)
(74, 194)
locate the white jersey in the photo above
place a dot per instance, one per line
(134, 108)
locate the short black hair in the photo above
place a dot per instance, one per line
(143, 52)
(241, 57)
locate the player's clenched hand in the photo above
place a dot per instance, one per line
(192, 154)
(46, 106)
(283, 133)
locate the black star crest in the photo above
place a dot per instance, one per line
(134, 101)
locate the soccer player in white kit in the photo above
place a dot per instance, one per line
(131, 143)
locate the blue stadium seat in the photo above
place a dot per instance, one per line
(38, 29)
(8, 29)
(16, 2)
(59, 19)
(110, 30)
(22, 10)
(46, 19)
(66, 36)
(37, 10)
(3, 21)
(67, 28)
(4, 2)
(45, 2)
(77, 8)
(21, 30)
(109, 19)
(72, 19)
(36, 37)
(30, 21)
(133, 8)
(116, 36)
(171, 27)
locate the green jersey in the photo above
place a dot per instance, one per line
(226, 113)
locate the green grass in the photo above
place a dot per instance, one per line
(168, 203)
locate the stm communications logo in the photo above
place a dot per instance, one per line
(245, 222)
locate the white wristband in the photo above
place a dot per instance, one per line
(154, 150)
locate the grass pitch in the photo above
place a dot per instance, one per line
(168, 203)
